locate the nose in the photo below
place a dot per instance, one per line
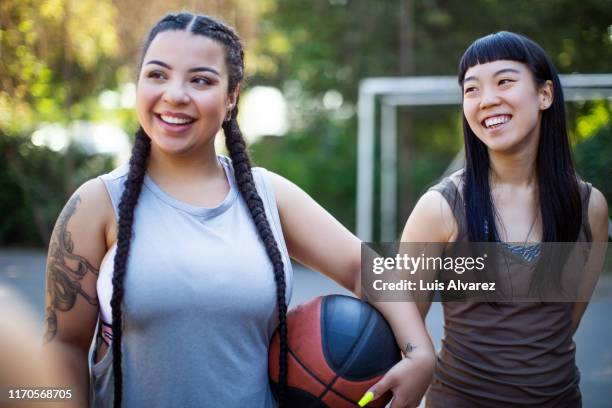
(175, 94)
(489, 97)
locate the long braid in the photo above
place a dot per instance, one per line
(210, 28)
(129, 199)
(244, 178)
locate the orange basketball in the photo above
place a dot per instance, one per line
(339, 347)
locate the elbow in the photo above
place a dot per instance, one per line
(355, 285)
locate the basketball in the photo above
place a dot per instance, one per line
(339, 347)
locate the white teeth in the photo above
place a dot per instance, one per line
(174, 120)
(496, 120)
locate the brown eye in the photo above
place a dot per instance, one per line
(200, 80)
(156, 75)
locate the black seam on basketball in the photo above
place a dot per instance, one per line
(341, 370)
(303, 366)
(344, 397)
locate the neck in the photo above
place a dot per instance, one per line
(517, 166)
(184, 167)
(518, 170)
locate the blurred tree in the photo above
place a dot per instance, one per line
(31, 178)
(50, 60)
(321, 45)
(53, 55)
(317, 160)
(594, 161)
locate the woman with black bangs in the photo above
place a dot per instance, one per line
(518, 186)
(181, 257)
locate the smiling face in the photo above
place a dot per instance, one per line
(503, 105)
(182, 95)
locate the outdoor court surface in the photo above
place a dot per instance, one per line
(24, 271)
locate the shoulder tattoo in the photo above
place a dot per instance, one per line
(65, 270)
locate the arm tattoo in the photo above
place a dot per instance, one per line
(409, 349)
(65, 270)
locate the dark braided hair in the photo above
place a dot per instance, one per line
(227, 37)
(129, 198)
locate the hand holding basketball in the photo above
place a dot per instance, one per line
(407, 380)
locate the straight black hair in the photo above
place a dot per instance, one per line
(226, 36)
(558, 190)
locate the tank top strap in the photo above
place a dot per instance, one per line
(585, 195)
(114, 183)
(266, 191)
(452, 194)
(264, 186)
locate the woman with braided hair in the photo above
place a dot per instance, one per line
(180, 261)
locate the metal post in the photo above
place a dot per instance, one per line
(388, 177)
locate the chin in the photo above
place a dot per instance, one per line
(502, 143)
(506, 148)
(170, 147)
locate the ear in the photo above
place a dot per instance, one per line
(232, 98)
(546, 94)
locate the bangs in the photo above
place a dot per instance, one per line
(493, 47)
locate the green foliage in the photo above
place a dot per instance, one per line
(334, 44)
(594, 161)
(54, 53)
(34, 186)
(323, 45)
(319, 160)
(595, 115)
(55, 56)
(327, 46)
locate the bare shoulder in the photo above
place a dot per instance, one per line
(282, 185)
(90, 209)
(289, 196)
(294, 204)
(598, 215)
(76, 249)
(277, 180)
(431, 220)
(93, 194)
(597, 203)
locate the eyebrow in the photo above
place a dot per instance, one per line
(196, 69)
(501, 71)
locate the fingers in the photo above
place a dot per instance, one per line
(366, 399)
(376, 390)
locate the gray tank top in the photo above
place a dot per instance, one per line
(517, 354)
(199, 306)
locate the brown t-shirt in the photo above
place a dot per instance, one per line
(510, 354)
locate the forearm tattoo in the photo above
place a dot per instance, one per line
(65, 270)
(409, 349)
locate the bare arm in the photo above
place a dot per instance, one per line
(76, 248)
(319, 241)
(598, 220)
(431, 220)
(315, 238)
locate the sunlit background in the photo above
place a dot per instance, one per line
(67, 94)
(68, 88)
